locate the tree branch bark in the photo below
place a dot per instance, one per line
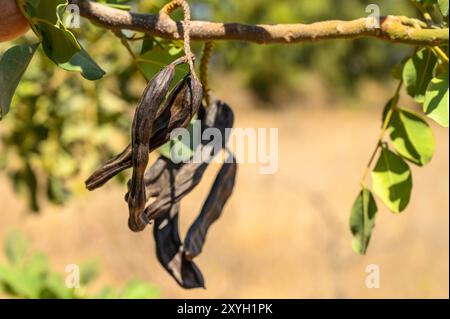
(391, 28)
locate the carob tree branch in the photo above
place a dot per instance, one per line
(392, 28)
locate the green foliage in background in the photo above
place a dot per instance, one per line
(61, 126)
(274, 71)
(28, 275)
(424, 75)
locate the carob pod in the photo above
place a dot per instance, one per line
(183, 102)
(212, 209)
(142, 127)
(123, 160)
(169, 251)
(170, 182)
(219, 116)
(184, 106)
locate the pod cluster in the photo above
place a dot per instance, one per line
(168, 183)
(160, 111)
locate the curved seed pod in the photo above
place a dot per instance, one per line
(110, 169)
(170, 182)
(123, 160)
(184, 105)
(156, 177)
(211, 210)
(183, 102)
(188, 177)
(180, 111)
(170, 253)
(142, 127)
(220, 116)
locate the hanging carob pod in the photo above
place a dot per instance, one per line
(175, 256)
(170, 182)
(169, 251)
(161, 175)
(156, 116)
(212, 208)
(178, 113)
(181, 105)
(218, 116)
(142, 128)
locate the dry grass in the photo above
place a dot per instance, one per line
(281, 236)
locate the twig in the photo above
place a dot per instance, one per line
(204, 66)
(135, 59)
(391, 29)
(386, 122)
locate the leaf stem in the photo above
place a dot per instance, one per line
(424, 12)
(135, 59)
(387, 120)
(21, 4)
(441, 54)
(204, 66)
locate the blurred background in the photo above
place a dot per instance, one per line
(281, 236)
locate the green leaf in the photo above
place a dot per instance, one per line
(154, 60)
(83, 63)
(436, 99)
(387, 108)
(89, 272)
(33, 3)
(46, 10)
(392, 180)
(362, 220)
(13, 64)
(147, 45)
(118, 4)
(182, 150)
(16, 247)
(443, 7)
(138, 290)
(57, 192)
(418, 72)
(59, 45)
(412, 137)
(397, 69)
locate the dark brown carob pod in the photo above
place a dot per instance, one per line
(142, 127)
(191, 96)
(125, 159)
(179, 112)
(181, 105)
(169, 183)
(211, 210)
(220, 116)
(169, 251)
(166, 231)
